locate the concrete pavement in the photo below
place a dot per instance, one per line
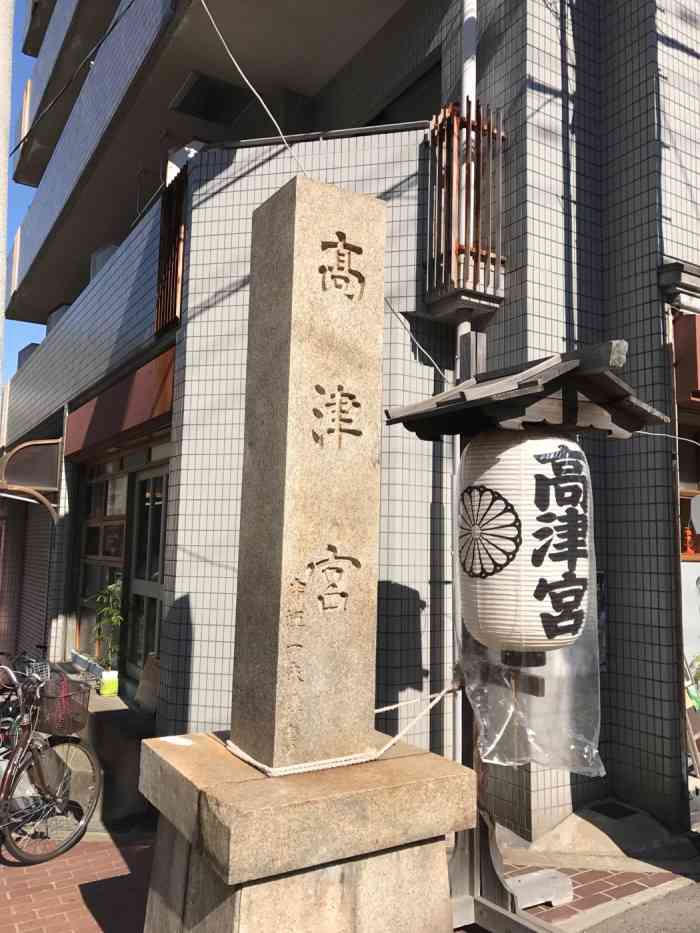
(677, 912)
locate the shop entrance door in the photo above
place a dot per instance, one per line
(146, 570)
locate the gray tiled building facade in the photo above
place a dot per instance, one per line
(601, 186)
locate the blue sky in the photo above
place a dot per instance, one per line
(20, 196)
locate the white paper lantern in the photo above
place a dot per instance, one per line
(525, 533)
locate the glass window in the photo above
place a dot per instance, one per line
(137, 630)
(113, 541)
(114, 575)
(93, 580)
(151, 626)
(97, 493)
(116, 495)
(155, 535)
(143, 502)
(92, 541)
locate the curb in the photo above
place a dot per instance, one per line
(595, 915)
(689, 866)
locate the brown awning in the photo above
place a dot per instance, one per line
(138, 402)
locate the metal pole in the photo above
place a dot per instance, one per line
(463, 877)
(461, 371)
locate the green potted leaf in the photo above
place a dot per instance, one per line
(108, 618)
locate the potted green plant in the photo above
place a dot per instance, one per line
(108, 618)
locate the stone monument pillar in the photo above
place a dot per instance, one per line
(357, 848)
(304, 661)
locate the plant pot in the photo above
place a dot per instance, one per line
(109, 684)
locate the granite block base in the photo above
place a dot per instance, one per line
(359, 849)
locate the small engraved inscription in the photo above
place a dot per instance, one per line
(325, 591)
(321, 593)
(337, 272)
(294, 658)
(294, 611)
(336, 415)
(294, 655)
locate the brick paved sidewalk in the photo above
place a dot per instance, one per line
(100, 886)
(593, 888)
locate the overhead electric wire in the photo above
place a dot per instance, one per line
(674, 437)
(88, 58)
(93, 52)
(251, 87)
(281, 135)
(419, 345)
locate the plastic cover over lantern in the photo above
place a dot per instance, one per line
(528, 585)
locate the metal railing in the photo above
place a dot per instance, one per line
(465, 212)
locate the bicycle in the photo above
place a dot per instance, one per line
(26, 664)
(50, 780)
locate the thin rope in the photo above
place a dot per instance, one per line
(303, 768)
(342, 762)
(388, 709)
(418, 344)
(252, 88)
(410, 725)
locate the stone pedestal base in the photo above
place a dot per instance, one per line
(396, 891)
(350, 850)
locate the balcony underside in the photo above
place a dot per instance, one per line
(38, 16)
(128, 163)
(86, 27)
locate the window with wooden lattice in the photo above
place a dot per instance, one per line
(172, 254)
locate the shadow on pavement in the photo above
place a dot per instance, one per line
(119, 903)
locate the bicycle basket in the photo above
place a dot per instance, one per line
(63, 706)
(42, 669)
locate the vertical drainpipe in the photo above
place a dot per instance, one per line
(6, 21)
(468, 89)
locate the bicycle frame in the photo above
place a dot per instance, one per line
(24, 747)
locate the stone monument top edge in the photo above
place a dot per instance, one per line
(299, 182)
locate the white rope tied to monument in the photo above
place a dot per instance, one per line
(361, 758)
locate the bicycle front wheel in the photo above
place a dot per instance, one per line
(53, 800)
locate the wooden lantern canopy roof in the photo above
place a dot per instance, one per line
(574, 391)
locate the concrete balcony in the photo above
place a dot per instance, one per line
(70, 217)
(38, 14)
(160, 81)
(109, 323)
(74, 28)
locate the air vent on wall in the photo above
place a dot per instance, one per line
(210, 99)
